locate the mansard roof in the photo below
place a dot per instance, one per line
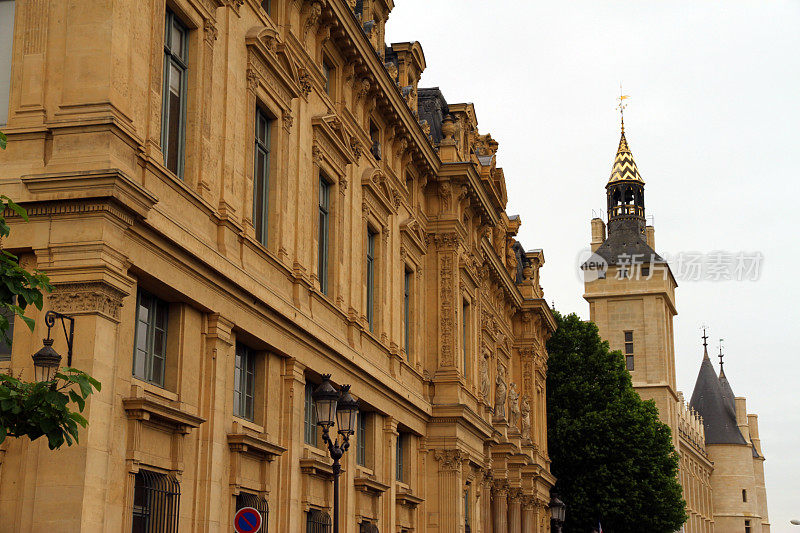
(709, 399)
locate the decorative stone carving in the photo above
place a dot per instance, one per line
(445, 195)
(449, 459)
(485, 386)
(500, 392)
(446, 298)
(288, 120)
(511, 257)
(525, 411)
(304, 81)
(87, 298)
(513, 405)
(363, 88)
(210, 31)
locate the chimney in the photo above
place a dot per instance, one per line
(650, 235)
(598, 233)
(741, 417)
(752, 422)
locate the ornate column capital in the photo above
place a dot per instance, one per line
(449, 460)
(95, 297)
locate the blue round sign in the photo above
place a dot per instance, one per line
(247, 520)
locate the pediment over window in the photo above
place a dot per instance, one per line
(332, 142)
(412, 229)
(269, 63)
(374, 181)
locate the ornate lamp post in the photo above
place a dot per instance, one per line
(335, 407)
(557, 513)
(46, 361)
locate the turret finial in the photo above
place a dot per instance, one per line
(621, 106)
(721, 371)
(705, 341)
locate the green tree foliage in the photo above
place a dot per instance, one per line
(613, 458)
(41, 408)
(18, 287)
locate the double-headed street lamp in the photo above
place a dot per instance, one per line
(340, 408)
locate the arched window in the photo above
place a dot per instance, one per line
(628, 196)
(318, 521)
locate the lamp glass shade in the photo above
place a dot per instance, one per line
(46, 362)
(347, 413)
(557, 509)
(326, 399)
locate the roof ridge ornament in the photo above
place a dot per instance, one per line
(705, 341)
(621, 106)
(721, 370)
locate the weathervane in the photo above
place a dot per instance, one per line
(720, 355)
(621, 106)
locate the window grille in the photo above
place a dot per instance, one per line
(318, 522)
(156, 501)
(247, 499)
(367, 527)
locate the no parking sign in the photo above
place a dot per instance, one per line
(247, 520)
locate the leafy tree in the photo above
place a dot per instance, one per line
(40, 408)
(611, 454)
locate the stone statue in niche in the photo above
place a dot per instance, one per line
(525, 411)
(511, 257)
(485, 378)
(513, 405)
(500, 391)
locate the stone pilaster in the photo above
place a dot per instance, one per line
(514, 511)
(500, 507)
(450, 486)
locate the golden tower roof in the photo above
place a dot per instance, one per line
(624, 165)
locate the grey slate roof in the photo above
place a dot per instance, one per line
(625, 241)
(708, 399)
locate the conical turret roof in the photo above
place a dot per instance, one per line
(709, 399)
(624, 166)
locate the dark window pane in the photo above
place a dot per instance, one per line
(629, 362)
(628, 336)
(628, 348)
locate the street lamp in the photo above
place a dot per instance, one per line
(46, 361)
(335, 407)
(557, 513)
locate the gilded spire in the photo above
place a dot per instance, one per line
(624, 165)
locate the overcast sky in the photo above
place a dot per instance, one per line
(712, 123)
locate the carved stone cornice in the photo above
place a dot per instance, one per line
(70, 193)
(149, 410)
(87, 298)
(243, 441)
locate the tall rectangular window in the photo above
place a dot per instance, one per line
(747, 526)
(629, 350)
(150, 350)
(247, 499)
(407, 281)
(324, 231)
(156, 502)
(310, 420)
(244, 375)
(467, 528)
(327, 71)
(6, 42)
(5, 346)
(371, 278)
(173, 115)
(465, 334)
(361, 439)
(400, 450)
(261, 176)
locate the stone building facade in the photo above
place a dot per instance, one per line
(631, 294)
(232, 198)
